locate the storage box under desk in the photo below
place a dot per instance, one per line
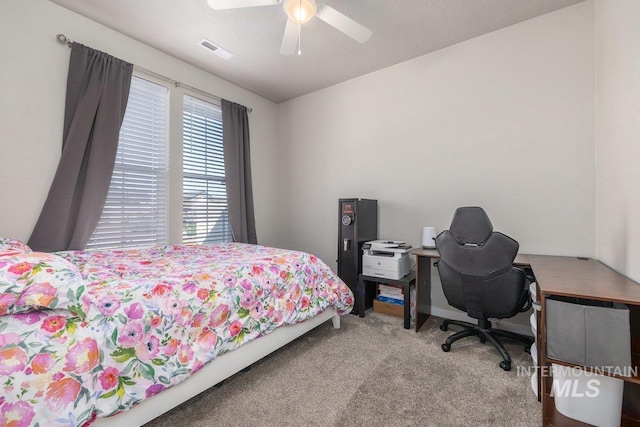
(589, 335)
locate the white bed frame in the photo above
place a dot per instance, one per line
(216, 371)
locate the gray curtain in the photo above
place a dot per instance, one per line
(237, 166)
(97, 92)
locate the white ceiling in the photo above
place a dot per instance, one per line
(402, 29)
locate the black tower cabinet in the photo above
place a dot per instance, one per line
(358, 223)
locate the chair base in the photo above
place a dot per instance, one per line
(484, 332)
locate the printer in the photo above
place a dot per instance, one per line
(385, 258)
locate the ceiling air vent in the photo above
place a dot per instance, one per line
(224, 54)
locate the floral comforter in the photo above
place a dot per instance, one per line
(140, 321)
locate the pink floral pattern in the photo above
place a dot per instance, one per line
(153, 317)
(14, 245)
(35, 280)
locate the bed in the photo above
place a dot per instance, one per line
(119, 337)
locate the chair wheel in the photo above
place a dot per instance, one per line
(505, 365)
(446, 347)
(527, 350)
(482, 339)
(444, 327)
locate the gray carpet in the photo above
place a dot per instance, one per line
(371, 372)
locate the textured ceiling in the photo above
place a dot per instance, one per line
(402, 29)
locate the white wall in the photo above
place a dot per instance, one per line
(33, 73)
(618, 135)
(504, 121)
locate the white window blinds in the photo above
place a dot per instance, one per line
(204, 195)
(135, 213)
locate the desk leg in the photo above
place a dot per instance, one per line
(361, 297)
(423, 290)
(407, 305)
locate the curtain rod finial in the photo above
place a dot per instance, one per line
(63, 39)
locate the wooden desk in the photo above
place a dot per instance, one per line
(560, 276)
(588, 279)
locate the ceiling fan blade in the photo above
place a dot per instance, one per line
(343, 23)
(290, 38)
(237, 4)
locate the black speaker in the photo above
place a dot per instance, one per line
(358, 223)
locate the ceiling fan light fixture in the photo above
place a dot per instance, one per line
(300, 11)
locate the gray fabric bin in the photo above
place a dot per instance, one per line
(589, 335)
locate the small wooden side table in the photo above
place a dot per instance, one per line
(405, 282)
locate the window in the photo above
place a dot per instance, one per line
(135, 212)
(204, 195)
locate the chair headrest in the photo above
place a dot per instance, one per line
(470, 225)
(497, 252)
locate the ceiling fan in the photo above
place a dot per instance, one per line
(299, 12)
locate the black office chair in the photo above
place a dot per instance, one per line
(477, 274)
